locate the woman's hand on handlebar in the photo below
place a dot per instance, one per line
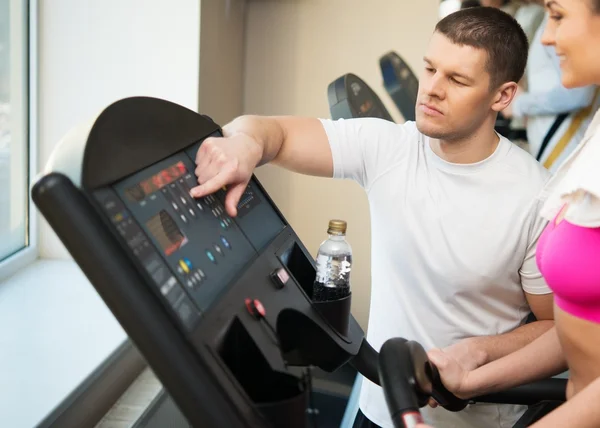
(453, 375)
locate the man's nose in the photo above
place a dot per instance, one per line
(435, 86)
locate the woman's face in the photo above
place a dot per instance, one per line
(574, 31)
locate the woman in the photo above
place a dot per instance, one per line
(557, 117)
(568, 252)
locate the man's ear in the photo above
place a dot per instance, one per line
(504, 96)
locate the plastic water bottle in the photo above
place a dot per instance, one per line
(334, 262)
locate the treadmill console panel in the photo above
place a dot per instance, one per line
(233, 295)
(191, 248)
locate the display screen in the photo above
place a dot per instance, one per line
(150, 185)
(165, 231)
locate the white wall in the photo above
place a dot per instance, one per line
(222, 28)
(294, 49)
(94, 52)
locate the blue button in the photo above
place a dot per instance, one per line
(225, 242)
(187, 262)
(210, 256)
(223, 225)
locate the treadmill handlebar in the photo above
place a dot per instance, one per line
(366, 362)
(397, 380)
(426, 380)
(553, 389)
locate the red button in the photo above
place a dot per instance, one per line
(256, 308)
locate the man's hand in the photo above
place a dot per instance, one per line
(453, 375)
(455, 362)
(227, 161)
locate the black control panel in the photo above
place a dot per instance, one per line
(220, 307)
(190, 247)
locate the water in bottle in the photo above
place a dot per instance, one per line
(334, 262)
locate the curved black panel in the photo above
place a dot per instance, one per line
(350, 97)
(401, 83)
(135, 132)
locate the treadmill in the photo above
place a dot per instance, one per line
(401, 83)
(350, 97)
(221, 308)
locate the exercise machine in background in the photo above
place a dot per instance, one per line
(401, 83)
(350, 97)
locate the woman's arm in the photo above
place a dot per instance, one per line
(581, 411)
(539, 359)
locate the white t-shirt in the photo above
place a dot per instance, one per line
(453, 246)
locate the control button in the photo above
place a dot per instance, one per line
(218, 249)
(174, 295)
(184, 266)
(192, 213)
(175, 206)
(190, 284)
(280, 277)
(223, 225)
(183, 201)
(215, 213)
(184, 218)
(167, 286)
(199, 205)
(201, 272)
(197, 276)
(187, 313)
(256, 308)
(225, 242)
(211, 256)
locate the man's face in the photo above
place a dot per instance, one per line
(454, 90)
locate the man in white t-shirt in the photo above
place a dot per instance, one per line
(454, 222)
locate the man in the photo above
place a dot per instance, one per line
(453, 205)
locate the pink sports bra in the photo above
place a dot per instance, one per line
(569, 258)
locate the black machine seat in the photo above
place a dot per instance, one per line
(221, 308)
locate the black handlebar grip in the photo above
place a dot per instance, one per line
(395, 374)
(444, 397)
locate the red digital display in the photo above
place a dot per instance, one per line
(156, 182)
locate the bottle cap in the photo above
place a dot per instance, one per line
(337, 227)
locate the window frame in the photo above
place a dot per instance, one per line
(29, 253)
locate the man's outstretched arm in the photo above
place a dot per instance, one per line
(295, 143)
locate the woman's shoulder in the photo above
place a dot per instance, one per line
(577, 182)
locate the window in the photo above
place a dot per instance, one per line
(15, 157)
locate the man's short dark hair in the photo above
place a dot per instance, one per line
(494, 31)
